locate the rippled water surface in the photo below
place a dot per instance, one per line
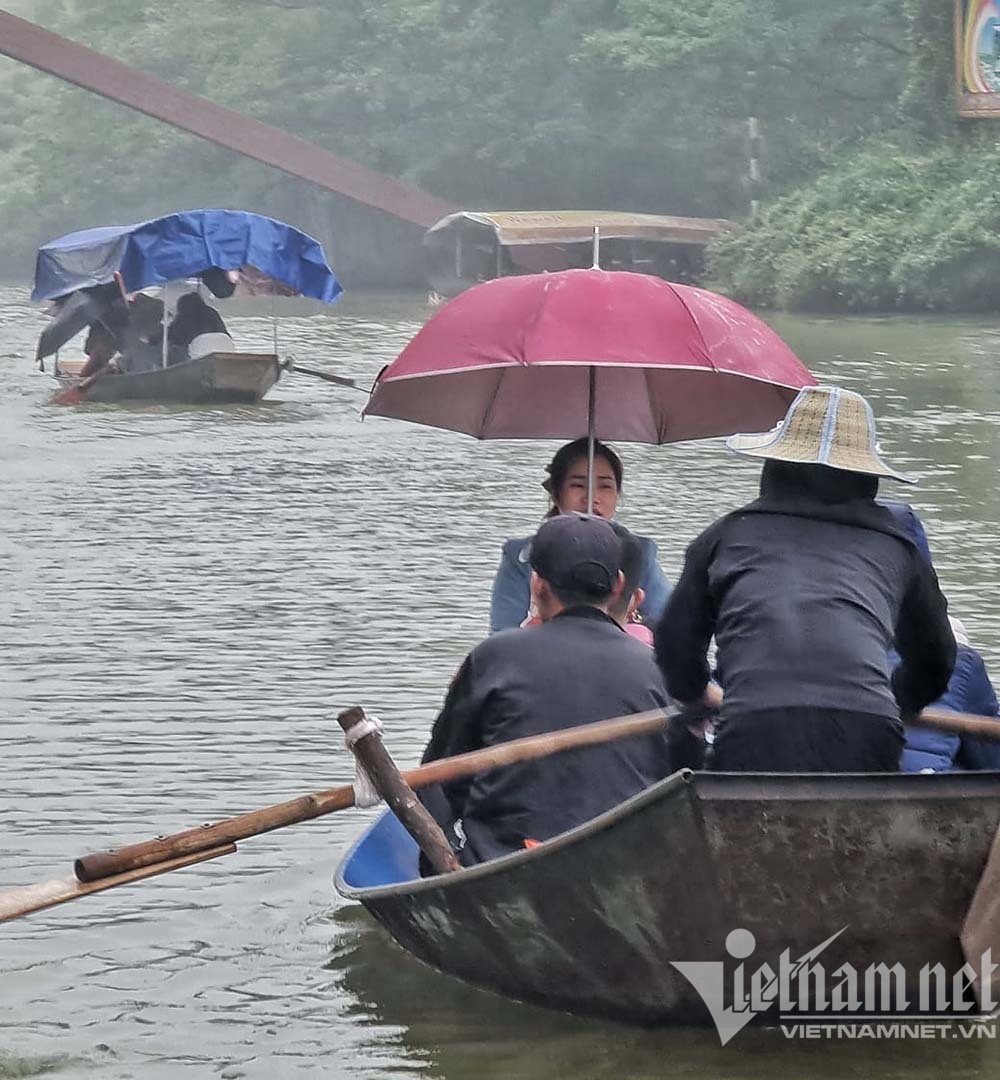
(189, 595)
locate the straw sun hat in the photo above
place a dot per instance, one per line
(825, 425)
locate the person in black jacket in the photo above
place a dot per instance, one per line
(193, 317)
(805, 590)
(196, 330)
(576, 667)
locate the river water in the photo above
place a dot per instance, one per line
(189, 595)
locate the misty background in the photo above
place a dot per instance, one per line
(875, 196)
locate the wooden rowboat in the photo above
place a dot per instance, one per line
(592, 921)
(217, 377)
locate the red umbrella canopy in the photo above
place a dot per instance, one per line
(512, 359)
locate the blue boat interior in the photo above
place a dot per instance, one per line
(385, 855)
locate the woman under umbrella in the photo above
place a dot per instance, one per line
(567, 489)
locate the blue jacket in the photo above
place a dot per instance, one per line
(969, 690)
(512, 585)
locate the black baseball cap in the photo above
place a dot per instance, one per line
(579, 553)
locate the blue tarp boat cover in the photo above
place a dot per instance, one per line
(183, 245)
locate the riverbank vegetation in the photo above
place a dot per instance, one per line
(889, 228)
(871, 195)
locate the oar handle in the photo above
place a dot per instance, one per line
(107, 863)
(981, 727)
(120, 282)
(104, 864)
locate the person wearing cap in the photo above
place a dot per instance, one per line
(566, 486)
(805, 590)
(576, 667)
(625, 609)
(969, 688)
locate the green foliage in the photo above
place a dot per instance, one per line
(621, 104)
(927, 101)
(884, 229)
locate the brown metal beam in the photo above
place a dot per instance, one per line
(31, 44)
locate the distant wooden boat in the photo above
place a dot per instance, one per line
(96, 276)
(592, 921)
(217, 377)
(473, 246)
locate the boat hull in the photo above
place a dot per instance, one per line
(592, 921)
(216, 378)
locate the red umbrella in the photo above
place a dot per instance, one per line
(623, 356)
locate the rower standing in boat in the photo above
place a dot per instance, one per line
(104, 338)
(567, 489)
(576, 667)
(805, 590)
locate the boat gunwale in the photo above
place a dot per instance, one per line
(678, 780)
(74, 380)
(703, 786)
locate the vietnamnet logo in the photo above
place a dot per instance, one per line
(846, 1003)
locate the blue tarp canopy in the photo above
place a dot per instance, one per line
(184, 245)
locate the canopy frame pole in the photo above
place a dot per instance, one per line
(166, 319)
(597, 248)
(592, 393)
(458, 254)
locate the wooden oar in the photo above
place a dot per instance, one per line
(340, 380)
(22, 901)
(980, 727)
(75, 395)
(103, 864)
(106, 870)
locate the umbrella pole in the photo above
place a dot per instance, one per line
(592, 372)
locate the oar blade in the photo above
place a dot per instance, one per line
(25, 899)
(72, 395)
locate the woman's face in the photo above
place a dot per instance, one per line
(572, 497)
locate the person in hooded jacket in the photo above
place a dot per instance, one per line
(805, 591)
(198, 327)
(969, 689)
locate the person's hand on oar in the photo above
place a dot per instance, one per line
(101, 346)
(76, 395)
(98, 364)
